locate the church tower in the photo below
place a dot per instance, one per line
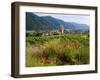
(61, 29)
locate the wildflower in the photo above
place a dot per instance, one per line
(75, 45)
(65, 45)
(47, 62)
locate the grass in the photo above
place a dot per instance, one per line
(55, 50)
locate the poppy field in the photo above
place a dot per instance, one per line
(55, 50)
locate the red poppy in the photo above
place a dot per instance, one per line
(65, 46)
(75, 45)
(46, 62)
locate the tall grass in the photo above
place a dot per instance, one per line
(68, 49)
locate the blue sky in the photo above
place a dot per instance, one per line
(82, 19)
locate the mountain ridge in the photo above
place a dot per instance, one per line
(45, 23)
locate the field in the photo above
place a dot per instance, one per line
(56, 50)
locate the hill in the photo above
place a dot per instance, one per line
(47, 23)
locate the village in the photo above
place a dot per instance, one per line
(60, 31)
(55, 32)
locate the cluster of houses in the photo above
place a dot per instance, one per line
(57, 31)
(60, 31)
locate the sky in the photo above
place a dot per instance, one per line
(81, 19)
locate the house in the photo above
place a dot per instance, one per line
(53, 32)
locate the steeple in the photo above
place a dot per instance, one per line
(62, 29)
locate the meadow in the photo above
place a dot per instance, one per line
(56, 50)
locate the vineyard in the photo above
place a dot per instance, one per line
(55, 50)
